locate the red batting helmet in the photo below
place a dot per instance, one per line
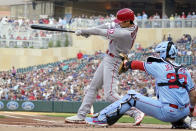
(124, 15)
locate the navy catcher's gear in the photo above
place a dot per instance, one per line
(166, 49)
(154, 59)
(113, 112)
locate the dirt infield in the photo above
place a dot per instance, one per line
(25, 121)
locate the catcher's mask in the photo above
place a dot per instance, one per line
(167, 49)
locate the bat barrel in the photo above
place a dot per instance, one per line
(39, 27)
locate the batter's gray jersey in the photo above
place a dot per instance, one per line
(106, 75)
(121, 39)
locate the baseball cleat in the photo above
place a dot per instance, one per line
(138, 117)
(95, 121)
(193, 123)
(181, 125)
(74, 119)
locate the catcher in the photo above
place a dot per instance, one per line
(175, 91)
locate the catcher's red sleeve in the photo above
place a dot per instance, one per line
(137, 65)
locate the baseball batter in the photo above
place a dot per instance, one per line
(174, 89)
(122, 35)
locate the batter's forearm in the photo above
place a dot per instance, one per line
(106, 26)
(103, 26)
(95, 31)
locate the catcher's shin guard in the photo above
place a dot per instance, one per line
(113, 112)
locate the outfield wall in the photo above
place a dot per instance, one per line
(50, 106)
(47, 106)
(23, 57)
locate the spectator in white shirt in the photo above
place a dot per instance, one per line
(144, 16)
(4, 20)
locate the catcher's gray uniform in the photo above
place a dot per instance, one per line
(121, 41)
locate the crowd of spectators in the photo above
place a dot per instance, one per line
(66, 22)
(17, 32)
(145, 16)
(62, 82)
(68, 80)
(22, 25)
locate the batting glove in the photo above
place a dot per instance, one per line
(78, 32)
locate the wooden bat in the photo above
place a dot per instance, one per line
(40, 27)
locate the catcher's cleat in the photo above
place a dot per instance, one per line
(191, 121)
(138, 117)
(74, 119)
(180, 124)
(193, 125)
(95, 121)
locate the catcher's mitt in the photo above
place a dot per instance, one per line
(122, 67)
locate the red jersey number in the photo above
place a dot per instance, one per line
(181, 76)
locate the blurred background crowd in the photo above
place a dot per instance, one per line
(80, 20)
(69, 79)
(16, 32)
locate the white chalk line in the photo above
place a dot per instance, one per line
(11, 116)
(15, 113)
(25, 115)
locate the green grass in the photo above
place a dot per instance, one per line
(146, 120)
(124, 119)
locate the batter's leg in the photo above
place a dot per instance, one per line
(91, 94)
(110, 78)
(111, 88)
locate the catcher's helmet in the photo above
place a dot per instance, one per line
(167, 49)
(124, 15)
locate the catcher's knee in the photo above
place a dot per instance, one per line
(114, 97)
(113, 112)
(133, 99)
(124, 105)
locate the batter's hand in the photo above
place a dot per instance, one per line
(78, 32)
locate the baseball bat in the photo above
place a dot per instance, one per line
(40, 27)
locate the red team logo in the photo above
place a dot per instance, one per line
(111, 31)
(168, 67)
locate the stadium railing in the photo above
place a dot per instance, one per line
(149, 23)
(43, 42)
(33, 39)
